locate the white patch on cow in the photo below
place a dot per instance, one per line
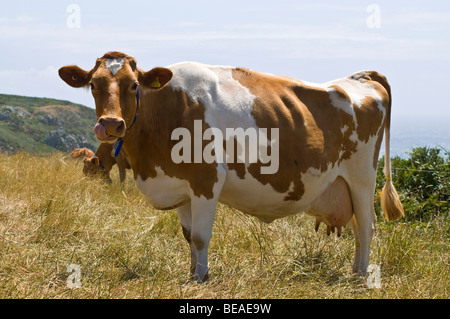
(163, 191)
(114, 65)
(361, 163)
(344, 129)
(228, 104)
(316, 181)
(355, 89)
(354, 137)
(245, 195)
(339, 102)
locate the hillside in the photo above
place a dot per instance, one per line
(42, 125)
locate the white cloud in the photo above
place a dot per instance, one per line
(326, 37)
(437, 20)
(288, 40)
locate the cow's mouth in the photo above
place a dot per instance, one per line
(102, 135)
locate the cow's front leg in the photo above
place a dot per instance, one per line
(197, 230)
(184, 214)
(203, 212)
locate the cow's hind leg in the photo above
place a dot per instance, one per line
(363, 224)
(357, 246)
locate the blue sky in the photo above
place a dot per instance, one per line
(317, 41)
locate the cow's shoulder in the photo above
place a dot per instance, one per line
(194, 76)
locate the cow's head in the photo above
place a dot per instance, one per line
(92, 167)
(114, 83)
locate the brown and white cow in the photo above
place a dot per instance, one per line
(329, 136)
(103, 161)
(81, 153)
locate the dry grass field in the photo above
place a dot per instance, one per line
(52, 216)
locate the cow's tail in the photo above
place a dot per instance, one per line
(390, 201)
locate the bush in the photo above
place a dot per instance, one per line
(422, 181)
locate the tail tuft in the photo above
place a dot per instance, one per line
(390, 202)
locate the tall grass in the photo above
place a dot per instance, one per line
(52, 216)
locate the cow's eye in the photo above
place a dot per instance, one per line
(92, 87)
(134, 86)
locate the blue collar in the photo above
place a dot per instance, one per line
(118, 144)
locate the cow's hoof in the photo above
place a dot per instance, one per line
(196, 278)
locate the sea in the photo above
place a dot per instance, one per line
(417, 131)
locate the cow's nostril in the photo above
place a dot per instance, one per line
(120, 128)
(112, 126)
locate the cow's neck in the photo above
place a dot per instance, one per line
(147, 144)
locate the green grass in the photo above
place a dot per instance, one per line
(52, 216)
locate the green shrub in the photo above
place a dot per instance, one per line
(422, 181)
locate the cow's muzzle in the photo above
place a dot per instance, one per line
(109, 129)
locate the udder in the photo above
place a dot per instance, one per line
(333, 207)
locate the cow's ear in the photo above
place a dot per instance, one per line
(156, 78)
(95, 161)
(74, 76)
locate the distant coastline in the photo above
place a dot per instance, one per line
(407, 131)
(413, 131)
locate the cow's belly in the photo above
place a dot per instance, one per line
(163, 192)
(247, 195)
(252, 197)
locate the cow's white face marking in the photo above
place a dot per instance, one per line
(114, 65)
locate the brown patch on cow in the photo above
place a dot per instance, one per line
(368, 118)
(310, 128)
(381, 85)
(149, 143)
(383, 89)
(377, 146)
(115, 55)
(348, 146)
(186, 234)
